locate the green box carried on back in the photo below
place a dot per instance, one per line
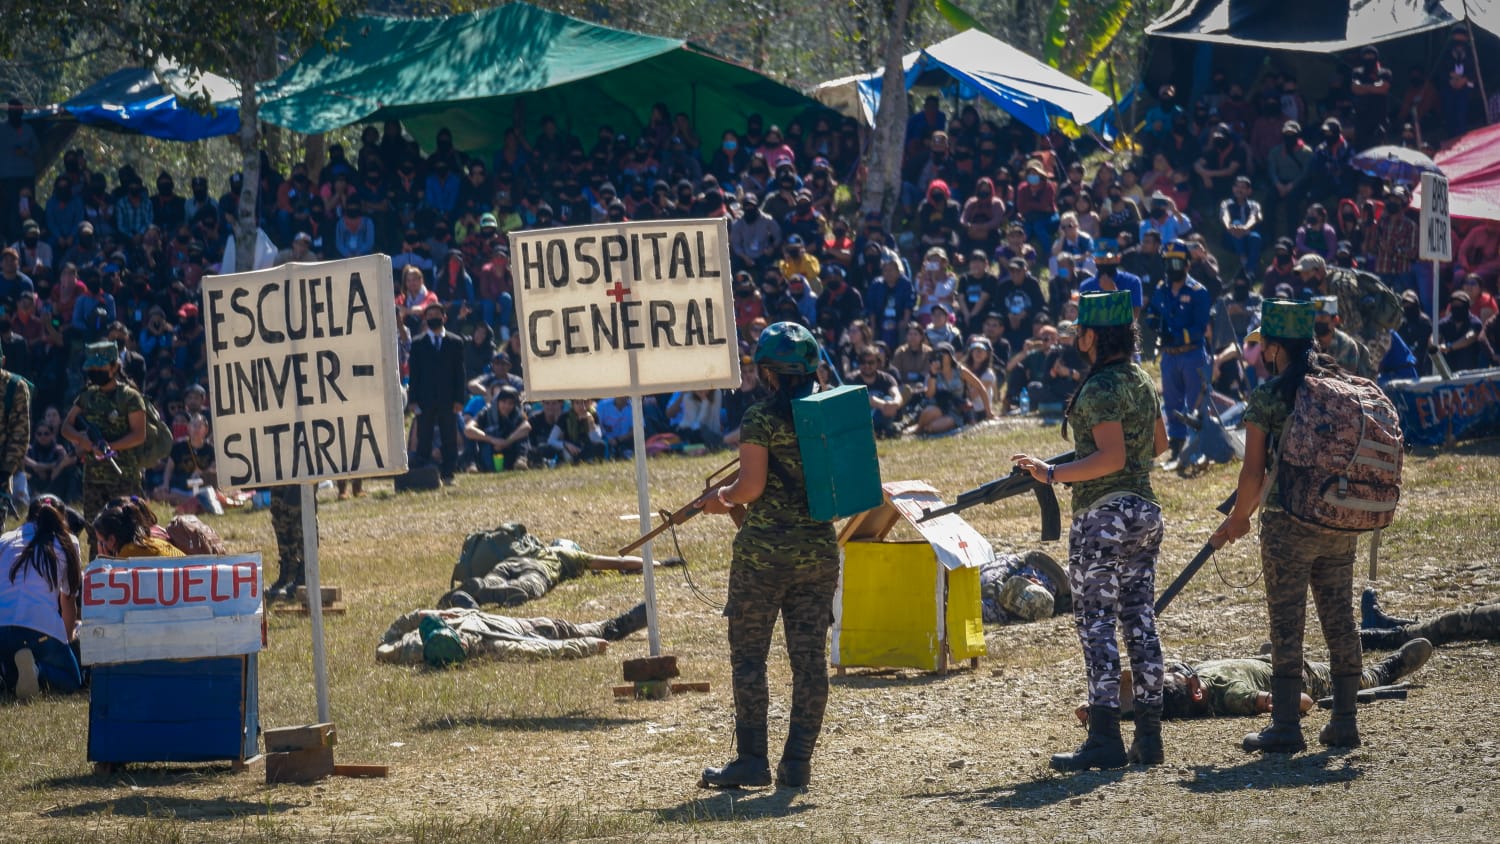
(837, 438)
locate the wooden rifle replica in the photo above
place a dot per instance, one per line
(1196, 563)
(725, 475)
(1018, 482)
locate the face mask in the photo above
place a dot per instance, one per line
(931, 266)
(1322, 329)
(1158, 213)
(98, 377)
(31, 239)
(1063, 272)
(1460, 311)
(985, 193)
(435, 324)
(1290, 141)
(731, 146)
(1283, 260)
(1033, 179)
(752, 214)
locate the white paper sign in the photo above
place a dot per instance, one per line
(171, 608)
(303, 378)
(955, 542)
(1435, 240)
(623, 308)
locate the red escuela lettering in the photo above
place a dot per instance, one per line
(189, 581)
(138, 595)
(244, 575)
(120, 579)
(165, 577)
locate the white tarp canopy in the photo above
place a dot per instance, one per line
(984, 66)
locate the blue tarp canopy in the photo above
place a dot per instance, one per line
(1030, 91)
(144, 101)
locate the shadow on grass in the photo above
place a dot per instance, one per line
(1272, 772)
(178, 808)
(1485, 446)
(881, 678)
(574, 722)
(144, 775)
(1047, 790)
(734, 804)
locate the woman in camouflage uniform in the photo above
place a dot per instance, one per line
(1116, 532)
(1294, 554)
(784, 563)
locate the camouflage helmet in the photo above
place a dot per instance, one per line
(1025, 599)
(787, 347)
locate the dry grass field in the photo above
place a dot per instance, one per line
(543, 752)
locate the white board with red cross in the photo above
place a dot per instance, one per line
(625, 308)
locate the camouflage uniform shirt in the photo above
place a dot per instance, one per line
(111, 413)
(17, 423)
(1116, 393)
(1349, 355)
(778, 531)
(1266, 411)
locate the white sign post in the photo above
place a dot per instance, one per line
(303, 387)
(626, 308)
(1435, 240)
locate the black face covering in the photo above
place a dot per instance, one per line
(435, 324)
(98, 377)
(752, 214)
(1460, 311)
(1322, 329)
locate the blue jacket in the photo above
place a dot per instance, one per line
(1184, 314)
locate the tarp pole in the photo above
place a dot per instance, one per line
(1484, 100)
(315, 595)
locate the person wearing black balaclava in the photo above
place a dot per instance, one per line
(1457, 82)
(1416, 331)
(1460, 336)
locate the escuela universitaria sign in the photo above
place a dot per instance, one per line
(303, 377)
(625, 308)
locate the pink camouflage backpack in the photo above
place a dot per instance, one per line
(1339, 461)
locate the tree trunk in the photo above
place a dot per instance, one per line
(245, 224)
(883, 185)
(315, 154)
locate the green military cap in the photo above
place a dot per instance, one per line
(1287, 319)
(1105, 308)
(100, 354)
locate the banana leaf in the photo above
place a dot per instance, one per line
(956, 17)
(1103, 23)
(1055, 38)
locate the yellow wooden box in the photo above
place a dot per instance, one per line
(909, 604)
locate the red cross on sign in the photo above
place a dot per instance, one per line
(618, 292)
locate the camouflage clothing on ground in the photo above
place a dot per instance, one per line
(1231, 686)
(516, 580)
(1475, 621)
(1121, 393)
(778, 532)
(488, 636)
(1112, 552)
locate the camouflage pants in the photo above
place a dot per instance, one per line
(1475, 621)
(1294, 556)
(100, 487)
(1112, 551)
(511, 583)
(286, 523)
(803, 596)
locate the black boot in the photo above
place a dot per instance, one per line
(624, 624)
(1102, 749)
(1383, 640)
(1371, 617)
(1284, 735)
(1409, 658)
(1145, 747)
(749, 767)
(287, 580)
(1341, 730)
(795, 768)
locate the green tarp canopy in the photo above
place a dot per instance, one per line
(467, 72)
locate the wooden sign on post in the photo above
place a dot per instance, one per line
(303, 375)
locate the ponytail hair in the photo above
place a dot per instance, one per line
(1114, 345)
(40, 555)
(1303, 359)
(121, 524)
